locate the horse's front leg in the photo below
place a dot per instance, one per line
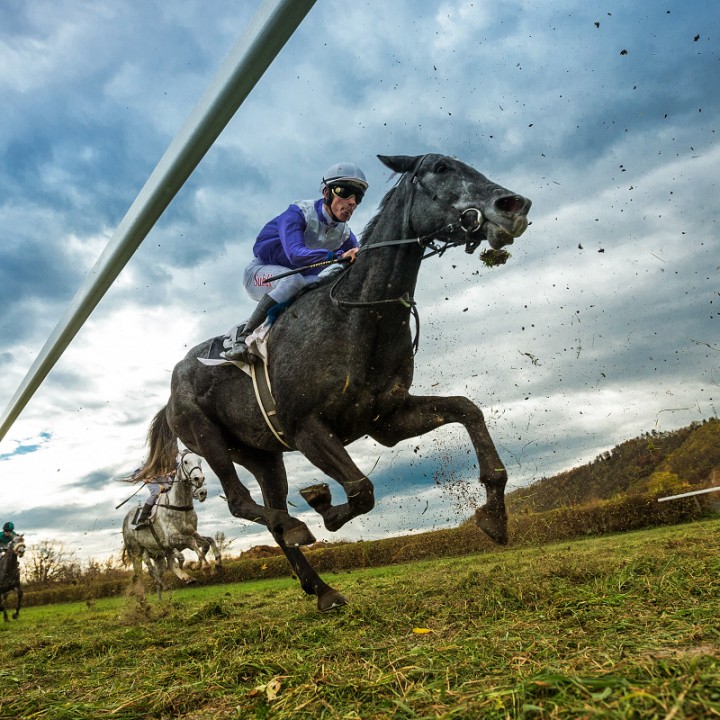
(273, 483)
(325, 450)
(3, 606)
(16, 614)
(179, 557)
(171, 561)
(206, 544)
(409, 416)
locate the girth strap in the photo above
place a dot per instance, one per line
(266, 401)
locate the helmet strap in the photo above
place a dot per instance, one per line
(327, 200)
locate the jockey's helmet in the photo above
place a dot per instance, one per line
(344, 173)
(9, 526)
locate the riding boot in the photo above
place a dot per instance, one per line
(239, 350)
(144, 519)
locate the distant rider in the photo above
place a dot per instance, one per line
(157, 487)
(308, 232)
(8, 535)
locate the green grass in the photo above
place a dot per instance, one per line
(622, 626)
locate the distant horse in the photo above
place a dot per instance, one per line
(341, 365)
(10, 575)
(205, 543)
(173, 527)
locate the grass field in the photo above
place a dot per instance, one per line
(621, 626)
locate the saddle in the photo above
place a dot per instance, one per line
(136, 516)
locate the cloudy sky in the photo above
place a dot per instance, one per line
(603, 325)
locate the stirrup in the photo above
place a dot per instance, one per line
(238, 352)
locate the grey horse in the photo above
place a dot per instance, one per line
(174, 527)
(341, 362)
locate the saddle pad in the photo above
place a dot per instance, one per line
(256, 342)
(217, 346)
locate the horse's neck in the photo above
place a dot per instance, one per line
(392, 271)
(8, 562)
(180, 494)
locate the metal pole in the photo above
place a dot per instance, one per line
(268, 31)
(688, 494)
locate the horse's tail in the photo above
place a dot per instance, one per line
(162, 442)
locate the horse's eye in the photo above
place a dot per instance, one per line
(441, 168)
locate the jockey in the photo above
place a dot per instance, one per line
(8, 535)
(309, 231)
(157, 487)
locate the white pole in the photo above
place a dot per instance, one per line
(268, 31)
(688, 494)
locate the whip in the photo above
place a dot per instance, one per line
(303, 268)
(142, 485)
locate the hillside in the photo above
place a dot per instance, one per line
(653, 463)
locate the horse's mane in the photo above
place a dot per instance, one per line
(384, 203)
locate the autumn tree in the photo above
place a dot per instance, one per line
(49, 561)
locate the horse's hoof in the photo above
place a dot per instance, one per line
(494, 526)
(298, 535)
(329, 600)
(317, 496)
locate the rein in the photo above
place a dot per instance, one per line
(187, 477)
(425, 241)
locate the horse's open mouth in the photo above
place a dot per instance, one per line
(497, 237)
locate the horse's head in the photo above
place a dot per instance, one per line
(452, 201)
(190, 470)
(18, 546)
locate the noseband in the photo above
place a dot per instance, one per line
(184, 475)
(188, 474)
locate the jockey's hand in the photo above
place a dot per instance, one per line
(349, 255)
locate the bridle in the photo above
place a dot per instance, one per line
(184, 475)
(438, 244)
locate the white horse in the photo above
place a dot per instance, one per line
(172, 528)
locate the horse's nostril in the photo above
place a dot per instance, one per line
(510, 204)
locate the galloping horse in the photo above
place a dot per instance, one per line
(10, 575)
(173, 528)
(341, 365)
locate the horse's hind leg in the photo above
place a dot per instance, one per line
(411, 416)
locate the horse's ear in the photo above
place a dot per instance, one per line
(399, 163)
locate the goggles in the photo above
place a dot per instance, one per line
(347, 191)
